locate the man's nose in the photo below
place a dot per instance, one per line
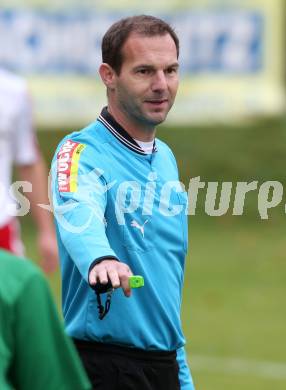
(159, 82)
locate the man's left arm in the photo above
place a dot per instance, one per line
(31, 167)
(185, 377)
(36, 174)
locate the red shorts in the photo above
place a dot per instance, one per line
(10, 238)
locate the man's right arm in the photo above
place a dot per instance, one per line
(79, 210)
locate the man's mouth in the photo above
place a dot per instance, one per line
(156, 102)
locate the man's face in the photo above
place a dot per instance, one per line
(146, 87)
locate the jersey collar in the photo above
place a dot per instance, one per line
(118, 131)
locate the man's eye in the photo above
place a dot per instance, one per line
(143, 71)
(171, 70)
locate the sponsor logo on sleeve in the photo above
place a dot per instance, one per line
(67, 165)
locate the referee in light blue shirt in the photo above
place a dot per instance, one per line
(121, 211)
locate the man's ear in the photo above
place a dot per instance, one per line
(107, 75)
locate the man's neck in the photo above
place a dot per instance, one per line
(133, 129)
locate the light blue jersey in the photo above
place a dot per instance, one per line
(113, 200)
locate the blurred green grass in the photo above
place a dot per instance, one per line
(233, 305)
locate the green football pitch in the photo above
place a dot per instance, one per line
(233, 315)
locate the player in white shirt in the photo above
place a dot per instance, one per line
(18, 146)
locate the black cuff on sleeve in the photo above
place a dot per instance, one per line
(99, 260)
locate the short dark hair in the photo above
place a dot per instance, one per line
(117, 34)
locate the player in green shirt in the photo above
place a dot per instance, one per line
(35, 353)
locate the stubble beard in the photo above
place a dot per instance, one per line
(138, 115)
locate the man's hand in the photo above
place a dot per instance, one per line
(117, 272)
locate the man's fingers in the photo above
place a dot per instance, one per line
(92, 277)
(124, 279)
(118, 273)
(114, 278)
(102, 276)
(125, 270)
(124, 274)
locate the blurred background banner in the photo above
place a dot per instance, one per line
(232, 61)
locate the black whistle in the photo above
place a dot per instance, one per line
(100, 288)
